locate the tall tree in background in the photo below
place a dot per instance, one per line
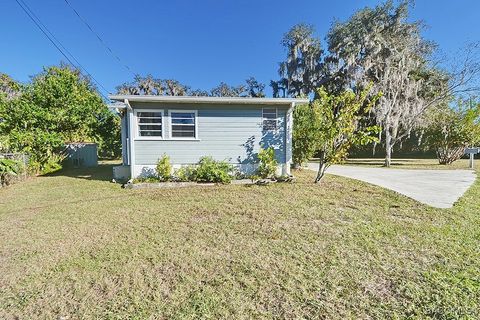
(225, 90)
(378, 45)
(149, 85)
(301, 72)
(254, 88)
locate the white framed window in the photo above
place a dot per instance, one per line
(183, 124)
(149, 124)
(269, 119)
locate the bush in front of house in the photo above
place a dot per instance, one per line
(211, 170)
(164, 168)
(185, 173)
(267, 167)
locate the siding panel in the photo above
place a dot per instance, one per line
(232, 133)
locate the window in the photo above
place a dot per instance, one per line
(269, 116)
(149, 123)
(183, 124)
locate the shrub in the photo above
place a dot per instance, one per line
(210, 170)
(268, 164)
(164, 168)
(186, 173)
(8, 169)
(452, 128)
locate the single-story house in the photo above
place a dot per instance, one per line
(188, 128)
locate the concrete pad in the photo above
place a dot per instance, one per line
(437, 188)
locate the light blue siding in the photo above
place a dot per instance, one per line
(232, 133)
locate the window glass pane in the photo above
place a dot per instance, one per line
(269, 118)
(183, 115)
(150, 133)
(150, 120)
(149, 124)
(149, 114)
(150, 127)
(183, 128)
(183, 124)
(269, 124)
(183, 121)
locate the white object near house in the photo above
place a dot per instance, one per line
(472, 152)
(188, 128)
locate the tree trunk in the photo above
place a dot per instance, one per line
(388, 149)
(322, 166)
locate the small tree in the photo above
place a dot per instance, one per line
(450, 130)
(267, 163)
(335, 126)
(164, 168)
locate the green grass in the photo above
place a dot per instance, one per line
(77, 246)
(411, 163)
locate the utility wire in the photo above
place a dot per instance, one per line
(99, 38)
(58, 46)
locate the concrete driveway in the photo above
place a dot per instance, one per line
(437, 188)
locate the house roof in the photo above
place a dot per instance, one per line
(209, 100)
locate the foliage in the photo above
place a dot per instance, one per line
(149, 179)
(302, 69)
(9, 87)
(382, 46)
(334, 126)
(164, 168)
(185, 173)
(451, 130)
(59, 106)
(210, 170)
(304, 134)
(149, 85)
(267, 167)
(225, 90)
(8, 169)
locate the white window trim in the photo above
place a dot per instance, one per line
(170, 111)
(136, 135)
(276, 120)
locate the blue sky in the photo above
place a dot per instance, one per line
(199, 43)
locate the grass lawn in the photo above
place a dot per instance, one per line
(412, 163)
(77, 246)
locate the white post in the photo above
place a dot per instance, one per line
(288, 139)
(131, 134)
(472, 156)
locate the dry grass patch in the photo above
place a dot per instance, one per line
(84, 248)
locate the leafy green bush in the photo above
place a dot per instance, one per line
(164, 168)
(210, 170)
(8, 169)
(58, 106)
(186, 173)
(268, 164)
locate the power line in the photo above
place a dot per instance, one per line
(50, 35)
(100, 38)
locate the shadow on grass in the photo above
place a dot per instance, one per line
(102, 172)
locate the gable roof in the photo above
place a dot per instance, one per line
(209, 100)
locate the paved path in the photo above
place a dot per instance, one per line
(437, 188)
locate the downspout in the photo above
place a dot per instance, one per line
(288, 139)
(131, 146)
